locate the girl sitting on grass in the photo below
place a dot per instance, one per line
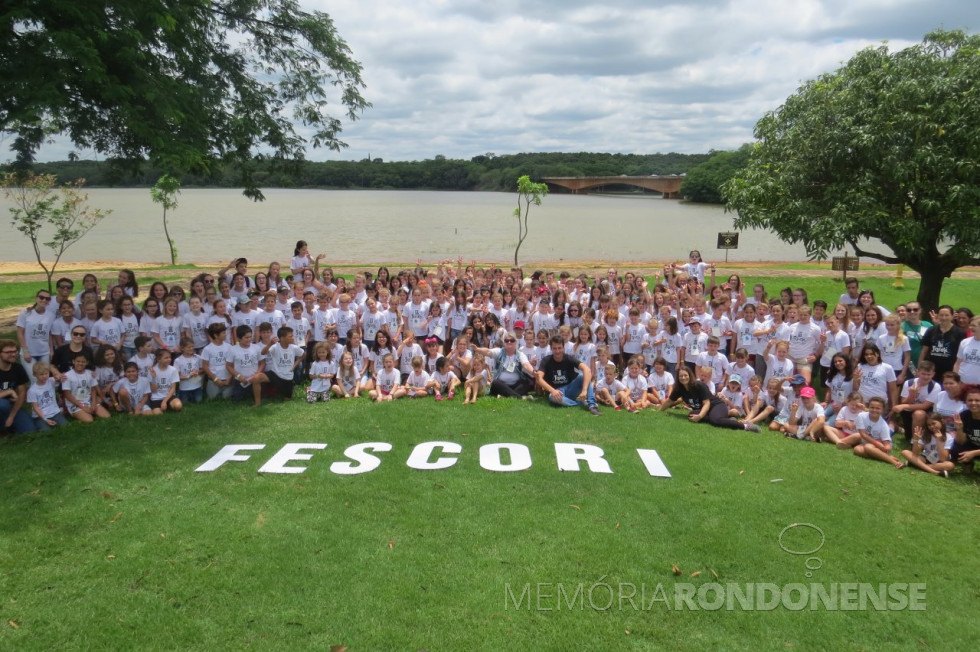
(386, 381)
(348, 379)
(478, 382)
(322, 372)
(445, 379)
(929, 447)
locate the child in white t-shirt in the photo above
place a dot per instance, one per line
(445, 379)
(188, 366)
(322, 372)
(133, 391)
(478, 382)
(608, 388)
(43, 399)
(81, 392)
(418, 384)
(876, 437)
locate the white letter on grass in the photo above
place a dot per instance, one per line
(569, 455)
(228, 454)
(655, 465)
(288, 453)
(520, 457)
(365, 461)
(419, 459)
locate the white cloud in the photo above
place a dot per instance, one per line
(463, 77)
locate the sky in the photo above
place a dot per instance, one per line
(460, 78)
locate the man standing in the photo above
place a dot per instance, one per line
(13, 391)
(565, 379)
(915, 329)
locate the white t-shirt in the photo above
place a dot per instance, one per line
(846, 414)
(405, 360)
(878, 430)
(216, 356)
(136, 390)
(80, 385)
(185, 367)
(921, 393)
(37, 330)
(892, 352)
(969, 356)
(161, 380)
(280, 360)
(418, 379)
(840, 388)
(948, 407)
(614, 387)
(198, 326)
(717, 362)
(804, 340)
(44, 397)
(168, 328)
(804, 416)
(301, 329)
(874, 381)
(637, 387)
(107, 332)
(245, 361)
(130, 330)
(444, 379)
(319, 367)
(833, 344)
(660, 383)
(387, 380)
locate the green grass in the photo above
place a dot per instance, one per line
(109, 537)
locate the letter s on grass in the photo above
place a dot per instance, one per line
(362, 460)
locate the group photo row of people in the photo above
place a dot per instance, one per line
(847, 370)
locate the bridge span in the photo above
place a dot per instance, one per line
(670, 186)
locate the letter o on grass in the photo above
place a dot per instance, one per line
(717, 600)
(520, 457)
(802, 597)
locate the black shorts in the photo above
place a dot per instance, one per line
(239, 393)
(958, 448)
(283, 386)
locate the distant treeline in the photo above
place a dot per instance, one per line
(484, 172)
(704, 173)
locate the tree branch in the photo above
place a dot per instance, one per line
(891, 260)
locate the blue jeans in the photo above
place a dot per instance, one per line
(22, 422)
(42, 424)
(571, 391)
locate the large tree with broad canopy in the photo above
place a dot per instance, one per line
(884, 152)
(187, 84)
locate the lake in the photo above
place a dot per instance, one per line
(393, 226)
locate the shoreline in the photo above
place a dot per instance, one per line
(761, 268)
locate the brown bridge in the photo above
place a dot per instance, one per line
(670, 186)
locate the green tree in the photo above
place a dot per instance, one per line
(165, 193)
(528, 193)
(38, 207)
(703, 182)
(885, 149)
(189, 84)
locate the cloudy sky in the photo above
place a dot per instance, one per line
(466, 77)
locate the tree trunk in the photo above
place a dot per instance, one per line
(170, 243)
(930, 286)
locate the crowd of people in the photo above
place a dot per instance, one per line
(853, 374)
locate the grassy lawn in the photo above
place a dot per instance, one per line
(110, 537)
